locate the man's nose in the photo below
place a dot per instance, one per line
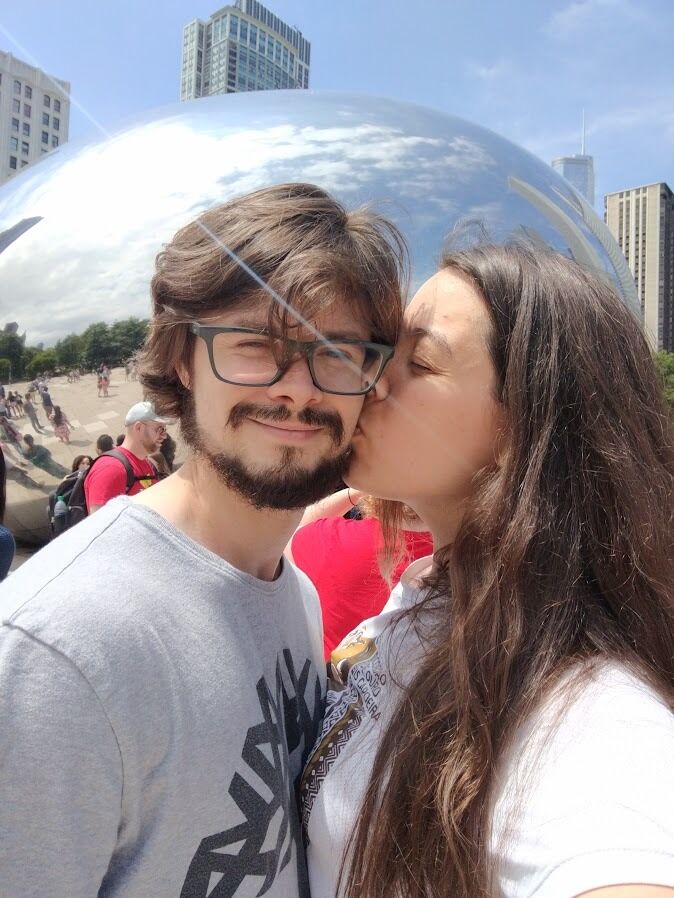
(296, 385)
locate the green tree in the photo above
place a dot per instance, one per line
(97, 345)
(69, 351)
(44, 362)
(11, 348)
(128, 336)
(5, 371)
(665, 364)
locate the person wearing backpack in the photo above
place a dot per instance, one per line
(145, 432)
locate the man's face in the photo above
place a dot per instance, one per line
(282, 446)
(152, 435)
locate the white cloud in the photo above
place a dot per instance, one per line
(581, 18)
(489, 73)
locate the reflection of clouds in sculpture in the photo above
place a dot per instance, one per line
(108, 207)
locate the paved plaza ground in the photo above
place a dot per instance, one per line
(90, 416)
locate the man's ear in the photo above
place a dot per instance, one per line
(183, 375)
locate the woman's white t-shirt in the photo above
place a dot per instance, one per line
(584, 796)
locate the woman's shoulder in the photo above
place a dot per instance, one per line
(587, 784)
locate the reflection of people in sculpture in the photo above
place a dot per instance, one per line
(31, 411)
(7, 547)
(61, 424)
(9, 431)
(41, 457)
(506, 725)
(153, 731)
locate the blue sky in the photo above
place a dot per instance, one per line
(524, 68)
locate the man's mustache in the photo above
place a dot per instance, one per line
(308, 416)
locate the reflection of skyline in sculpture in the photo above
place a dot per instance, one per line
(107, 207)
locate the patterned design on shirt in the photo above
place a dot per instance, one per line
(358, 677)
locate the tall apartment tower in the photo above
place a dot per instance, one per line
(34, 114)
(642, 221)
(241, 47)
(578, 170)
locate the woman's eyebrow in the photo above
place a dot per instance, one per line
(438, 338)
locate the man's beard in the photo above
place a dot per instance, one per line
(287, 485)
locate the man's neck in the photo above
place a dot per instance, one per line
(196, 501)
(131, 446)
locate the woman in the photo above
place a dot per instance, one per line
(81, 464)
(61, 424)
(505, 727)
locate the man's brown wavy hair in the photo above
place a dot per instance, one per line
(564, 557)
(299, 241)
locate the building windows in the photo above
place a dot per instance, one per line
(26, 129)
(45, 137)
(25, 147)
(28, 92)
(54, 140)
(17, 90)
(12, 161)
(14, 143)
(15, 124)
(243, 32)
(57, 105)
(26, 110)
(16, 105)
(55, 123)
(47, 101)
(45, 118)
(234, 26)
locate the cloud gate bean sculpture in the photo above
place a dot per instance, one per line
(79, 230)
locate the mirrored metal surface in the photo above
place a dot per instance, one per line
(85, 224)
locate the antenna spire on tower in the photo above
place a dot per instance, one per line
(582, 143)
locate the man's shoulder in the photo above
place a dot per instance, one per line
(75, 570)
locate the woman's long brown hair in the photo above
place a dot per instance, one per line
(565, 555)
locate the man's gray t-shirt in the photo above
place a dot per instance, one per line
(156, 707)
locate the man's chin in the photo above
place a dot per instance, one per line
(285, 486)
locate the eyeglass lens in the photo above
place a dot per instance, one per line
(250, 359)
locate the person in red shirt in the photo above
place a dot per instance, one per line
(341, 558)
(145, 432)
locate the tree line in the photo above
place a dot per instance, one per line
(100, 342)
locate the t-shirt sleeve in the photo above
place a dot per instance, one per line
(106, 480)
(60, 775)
(587, 799)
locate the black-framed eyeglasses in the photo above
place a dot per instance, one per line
(248, 357)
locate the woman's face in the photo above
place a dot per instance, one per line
(435, 421)
(84, 464)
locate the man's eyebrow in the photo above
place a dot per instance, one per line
(437, 337)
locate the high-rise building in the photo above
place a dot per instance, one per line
(34, 114)
(243, 46)
(642, 221)
(578, 170)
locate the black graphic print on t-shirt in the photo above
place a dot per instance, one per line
(264, 844)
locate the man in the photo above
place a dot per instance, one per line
(31, 411)
(104, 443)
(41, 457)
(47, 403)
(160, 665)
(145, 432)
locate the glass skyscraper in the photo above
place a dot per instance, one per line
(579, 172)
(243, 46)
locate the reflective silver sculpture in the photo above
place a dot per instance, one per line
(82, 227)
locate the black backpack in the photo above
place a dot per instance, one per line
(71, 490)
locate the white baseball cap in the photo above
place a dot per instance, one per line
(143, 411)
